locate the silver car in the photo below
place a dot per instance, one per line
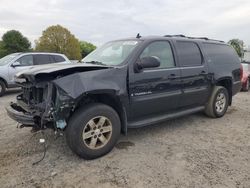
(16, 62)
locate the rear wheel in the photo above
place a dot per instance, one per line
(93, 130)
(2, 88)
(218, 102)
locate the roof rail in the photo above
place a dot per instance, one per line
(180, 35)
(203, 38)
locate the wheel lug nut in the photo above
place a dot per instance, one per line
(95, 136)
(92, 133)
(99, 135)
(101, 130)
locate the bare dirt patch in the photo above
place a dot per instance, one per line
(193, 151)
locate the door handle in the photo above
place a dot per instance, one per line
(203, 73)
(173, 76)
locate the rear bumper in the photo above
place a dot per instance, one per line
(14, 112)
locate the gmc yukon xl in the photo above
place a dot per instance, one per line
(126, 84)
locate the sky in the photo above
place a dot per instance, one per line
(99, 21)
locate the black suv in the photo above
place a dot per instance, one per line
(125, 84)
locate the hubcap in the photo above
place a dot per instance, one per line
(97, 132)
(220, 102)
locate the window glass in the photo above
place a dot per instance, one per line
(111, 53)
(162, 50)
(26, 60)
(189, 54)
(58, 58)
(220, 53)
(41, 59)
(5, 60)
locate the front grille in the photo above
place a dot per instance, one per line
(32, 95)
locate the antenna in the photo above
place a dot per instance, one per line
(138, 36)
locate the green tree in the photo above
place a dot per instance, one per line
(2, 50)
(59, 39)
(238, 46)
(86, 48)
(13, 41)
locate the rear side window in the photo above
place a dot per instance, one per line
(162, 50)
(58, 58)
(220, 53)
(41, 59)
(189, 54)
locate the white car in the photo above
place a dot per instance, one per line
(16, 62)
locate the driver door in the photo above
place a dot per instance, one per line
(22, 63)
(155, 91)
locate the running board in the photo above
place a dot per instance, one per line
(158, 119)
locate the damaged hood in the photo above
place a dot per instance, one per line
(99, 81)
(58, 69)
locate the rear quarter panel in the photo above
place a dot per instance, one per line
(223, 63)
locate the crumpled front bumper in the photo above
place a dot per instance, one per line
(14, 112)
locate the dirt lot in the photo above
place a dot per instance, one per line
(193, 151)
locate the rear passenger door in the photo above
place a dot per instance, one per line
(155, 91)
(194, 74)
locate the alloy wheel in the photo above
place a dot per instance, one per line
(97, 132)
(220, 102)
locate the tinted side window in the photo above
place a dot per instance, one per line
(189, 54)
(219, 53)
(41, 59)
(58, 58)
(162, 50)
(26, 60)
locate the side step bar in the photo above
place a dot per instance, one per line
(158, 119)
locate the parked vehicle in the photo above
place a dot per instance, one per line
(246, 76)
(16, 62)
(126, 84)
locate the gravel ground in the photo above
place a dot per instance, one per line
(193, 151)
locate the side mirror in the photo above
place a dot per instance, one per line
(16, 64)
(148, 62)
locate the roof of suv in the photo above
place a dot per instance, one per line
(182, 37)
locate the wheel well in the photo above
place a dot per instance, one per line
(227, 83)
(109, 100)
(4, 81)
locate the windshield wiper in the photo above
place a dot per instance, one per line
(96, 63)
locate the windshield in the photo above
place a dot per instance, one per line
(5, 60)
(111, 53)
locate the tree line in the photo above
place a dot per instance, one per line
(55, 39)
(59, 39)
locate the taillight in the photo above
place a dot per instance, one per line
(241, 71)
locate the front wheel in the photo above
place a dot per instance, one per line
(93, 130)
(218, 102)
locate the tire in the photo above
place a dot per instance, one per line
(247, 86)
(83, 128)
(217, 108)
(2, 88)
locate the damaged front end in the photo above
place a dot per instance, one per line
(50, 95)
(41, 105)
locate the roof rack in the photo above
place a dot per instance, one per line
(203, 38)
